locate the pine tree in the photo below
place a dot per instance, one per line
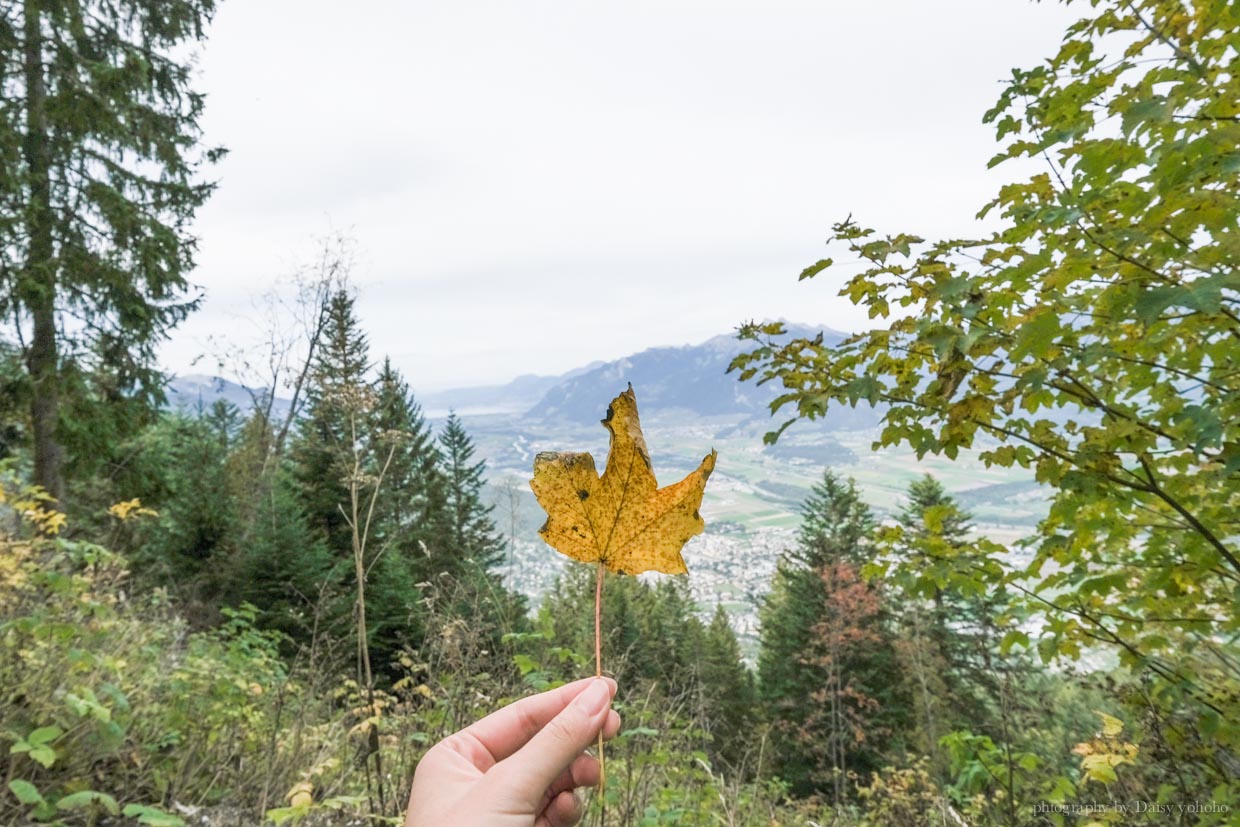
(728, 691)
(935, 526)
(281, 565)
(99, 163)
(196, 513)
(409, 519)
(338, 398)
(950, 645)
(472, 541)
(410, 516)
(836, 531)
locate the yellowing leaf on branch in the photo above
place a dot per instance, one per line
(621, 518)
(131, 508)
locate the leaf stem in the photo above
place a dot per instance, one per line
(598, 666)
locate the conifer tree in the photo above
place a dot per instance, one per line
(99, 181)
(835, 537)
(649, 630)
(409, 519)
(471, 536)
(337, 392)
(281, 565)
(179, 467)
(953, 635)
(12, 406)
(840, 714)
(666, 613)
(411, 516)
(197, 513)
(932, 523)
(356, 433)
(728, 690)
(835, 526)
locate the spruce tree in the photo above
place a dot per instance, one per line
(727, 688)
(836, 532)
(469, 548)
(411, 515)
(354, 435)
(935, 526)
(473, 543)
(956, 628)
(337, 400)
(13, 434)
(282, 566)
(649, 631)
(196, 512)
(835, 525)
(99, 182)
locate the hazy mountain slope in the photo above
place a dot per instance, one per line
(691, 378)
(197, 392)
(516, 396)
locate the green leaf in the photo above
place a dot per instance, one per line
(815, 269)
(153, 816)
(1061, 789)
(86, 799)
(26, 792)
(1099, 768)
(280, 815)
(44, 755)
(1153, 109)
(1035, 336)
(1014, 637)
(44, 735)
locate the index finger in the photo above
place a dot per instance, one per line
(502, 733)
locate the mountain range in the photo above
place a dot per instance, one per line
(689, 378)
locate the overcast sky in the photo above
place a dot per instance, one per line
(536, 185)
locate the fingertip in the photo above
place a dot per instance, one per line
(595, 697)
(612, 727)
(584, 772)
(564, 809)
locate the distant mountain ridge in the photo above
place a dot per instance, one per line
(197, 392)
(690, 378)
(516, 396)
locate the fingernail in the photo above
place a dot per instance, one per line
(595, 697)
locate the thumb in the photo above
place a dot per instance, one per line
(526, 775)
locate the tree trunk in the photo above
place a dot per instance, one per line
(38, 282)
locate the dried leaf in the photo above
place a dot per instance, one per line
(621, 518)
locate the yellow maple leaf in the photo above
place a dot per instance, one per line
(622, 518)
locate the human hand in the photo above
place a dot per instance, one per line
(517, 767)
